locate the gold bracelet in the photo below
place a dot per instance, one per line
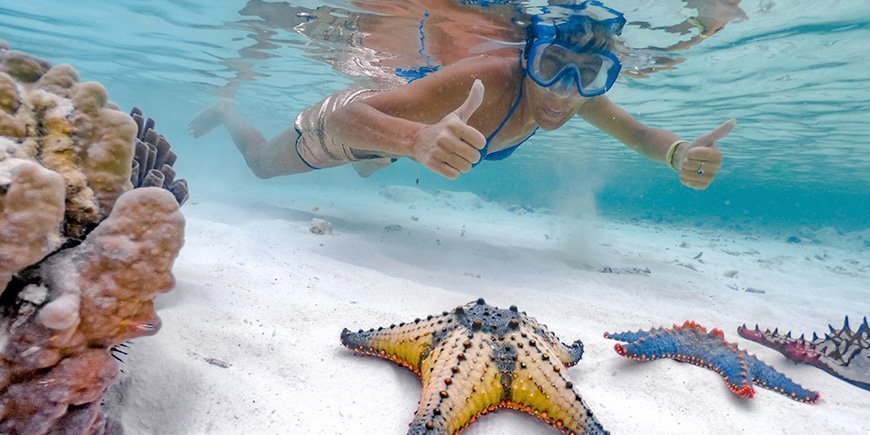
(701, 29)
(669, 157)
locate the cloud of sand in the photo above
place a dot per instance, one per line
(580, 180)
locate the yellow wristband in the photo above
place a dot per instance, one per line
(669, 157)
(701, 29)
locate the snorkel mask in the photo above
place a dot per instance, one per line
(564, 48)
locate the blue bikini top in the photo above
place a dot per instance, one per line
(414, 74)
(505, 153)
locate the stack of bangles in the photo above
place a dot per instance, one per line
(669, 157)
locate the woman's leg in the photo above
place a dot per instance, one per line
(265, 158)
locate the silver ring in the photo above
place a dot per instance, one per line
(700, 170)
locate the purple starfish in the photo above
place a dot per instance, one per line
(842, 353)
(692, 343)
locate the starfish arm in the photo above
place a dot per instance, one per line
(480, 358)
(766, 376)
(461, 381)
(842, 353)
(857, 372)
(406, 344)
(571, 354)
(727, 360)
(766, 338)
(568, 354)
(630, 336)
(692, 343)
(540, 387)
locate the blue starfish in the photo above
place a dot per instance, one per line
(692, 343)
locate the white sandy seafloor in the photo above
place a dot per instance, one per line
(250, 336)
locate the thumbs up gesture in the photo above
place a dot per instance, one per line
(701, 160)
(451, 146)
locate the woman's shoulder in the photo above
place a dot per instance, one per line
(497, 64)
(445, 89)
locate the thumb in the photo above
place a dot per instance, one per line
(472, 103)
(720, 132)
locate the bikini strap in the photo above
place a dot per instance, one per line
(504, 121)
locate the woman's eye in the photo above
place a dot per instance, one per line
(588, 75)
(549, 64)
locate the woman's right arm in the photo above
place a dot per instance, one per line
(359, 125)
(426, 120)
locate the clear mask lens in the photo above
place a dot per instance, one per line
(563, 87)
(553, 64)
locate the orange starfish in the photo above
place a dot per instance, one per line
(479, 358)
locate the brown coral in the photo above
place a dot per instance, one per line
(31, 211)
(82, 255)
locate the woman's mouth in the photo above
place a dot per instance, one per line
(553, 113)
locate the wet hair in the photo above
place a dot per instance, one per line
(575, 30)
(589, 36)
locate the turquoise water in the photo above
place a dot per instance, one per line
(794, 74)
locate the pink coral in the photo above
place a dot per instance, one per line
(82, 253)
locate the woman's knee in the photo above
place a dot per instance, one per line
(268, 165)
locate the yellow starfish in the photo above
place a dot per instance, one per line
(479, 358)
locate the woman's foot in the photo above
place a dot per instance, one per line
(210, 118)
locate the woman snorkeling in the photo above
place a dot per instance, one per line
(479, 108)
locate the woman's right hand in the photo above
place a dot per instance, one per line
(452, 146)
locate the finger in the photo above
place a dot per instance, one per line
(706, 167)
(470, 135)
(695, 184)
(472, 103)
(718, 133)
(705, 177)
(460, 148)
(456, 161)
(443, 169)
(707, 154)
(446, 170)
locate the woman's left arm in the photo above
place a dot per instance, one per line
(697, 161)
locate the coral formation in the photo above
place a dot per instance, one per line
(478, 358)
(82, 255)
(692, 343)
(842, 352)
(153, 160)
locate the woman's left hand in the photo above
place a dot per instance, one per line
(701, 160)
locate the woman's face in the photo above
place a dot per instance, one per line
(550, 109)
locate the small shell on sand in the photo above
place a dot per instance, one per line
(320, 226)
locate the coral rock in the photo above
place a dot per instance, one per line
(32, 406)
(22, 66)
(31, 212)
(68, 128)
(153, 159)
(82, 254)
